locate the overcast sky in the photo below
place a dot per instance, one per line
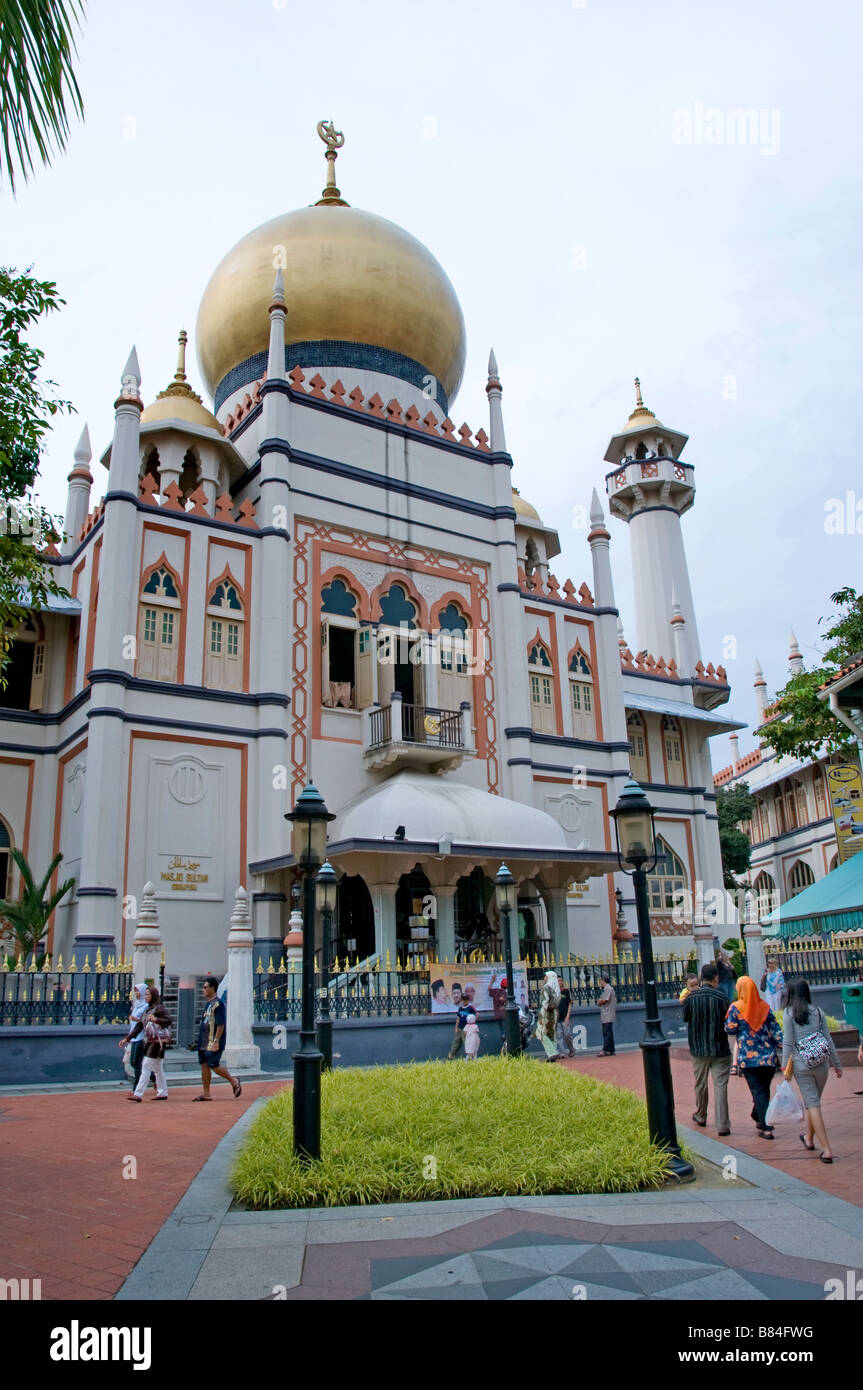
(572, 167)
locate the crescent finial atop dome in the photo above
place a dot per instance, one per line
(333, 139)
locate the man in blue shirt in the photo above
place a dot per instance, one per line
(211, 1041)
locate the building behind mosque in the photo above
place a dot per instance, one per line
(326, 578)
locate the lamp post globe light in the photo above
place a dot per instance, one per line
(506, 897)
(326, 887)
(309, 819)
(636, 852)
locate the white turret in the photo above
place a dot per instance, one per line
(650, 489)
(494, 391)
(78, 497)
(795, 660)
(760, 692)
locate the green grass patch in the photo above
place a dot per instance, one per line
(436, 1130)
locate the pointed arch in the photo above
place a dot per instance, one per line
(582, 692)
(799, 877)
(226, 601)
(639, 751)
(160, 622)
(401, 580)
(667, 881)
(673, 752)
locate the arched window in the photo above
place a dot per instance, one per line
(768, 899)
(541, 676)
(802, 804)
(225, 638)
(400, 669)
(346, 649)
(779, 811)
(25, 668)
(531, 560)
(665, 883)
(834, 863)
(790, 807)
(801, 877)
(582, 695)
(638, 764)
(190, 476)
(821, 811)
(6, 860)
(453, 658)
(151, 466)
(159, 626)
(672, 742)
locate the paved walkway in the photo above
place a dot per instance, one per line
(68, 1215)
(842, 1110)
(761, 1237)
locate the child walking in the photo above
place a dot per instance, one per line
(471, 1038)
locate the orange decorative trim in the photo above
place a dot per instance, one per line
(245, 591)
(364, 611)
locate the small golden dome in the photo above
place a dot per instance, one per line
(350, 276)
(523, 508)
(178, 401)
(641, 418)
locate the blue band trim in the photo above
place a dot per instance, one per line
(331, 352)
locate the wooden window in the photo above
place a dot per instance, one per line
(223, 662)
(159, 627)
(541, 690)
(801, 877)
(665, 883)
(638, 764)
(673, 745)
(25, 667)
(454, 683)
(765, 887)
(820, 795)
(779, 812)
(790, 808)
(581, 693)
(802, 804)
(346, 650)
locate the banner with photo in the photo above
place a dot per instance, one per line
(846, 801)
(452, 985)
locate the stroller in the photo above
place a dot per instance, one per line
(526, 1026)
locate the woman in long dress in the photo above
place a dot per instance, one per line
(546, 1024)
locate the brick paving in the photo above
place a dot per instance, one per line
(67, 1214)
(842, 1110)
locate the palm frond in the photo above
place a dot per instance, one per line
(38, 87)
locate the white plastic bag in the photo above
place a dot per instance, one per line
(127, 1064)
(784, 1105)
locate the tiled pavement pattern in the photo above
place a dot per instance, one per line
(842, 1110)
(67, 1214)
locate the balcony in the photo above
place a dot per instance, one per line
(403, 735)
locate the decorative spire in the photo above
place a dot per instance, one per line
(333, 139)
(795, 658)
(597, 515)
(640, 413)
(131, 378)
(83, 452)
(494, 391)
(278, 287)
(676, 613)
(760, 692)
(179, 386)
(759, 674)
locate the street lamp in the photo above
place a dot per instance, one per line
(636, 852)
(326, 887)
(506, 897)
(309, 843)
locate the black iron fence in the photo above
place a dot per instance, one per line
(821, 965)
(401, 993)
(65, 997)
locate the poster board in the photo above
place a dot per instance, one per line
(451, 984)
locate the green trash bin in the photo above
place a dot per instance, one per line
(852, 1003)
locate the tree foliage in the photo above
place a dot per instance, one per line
(38, 87)
(27, 918)
(733, 804)
(27, 407)
(802, 725)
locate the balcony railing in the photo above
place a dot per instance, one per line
(437, 728)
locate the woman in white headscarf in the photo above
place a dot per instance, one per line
(140, 1006)
(546, 1025)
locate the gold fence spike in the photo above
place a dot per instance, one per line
(260, 967)
(99, 965)
(19, 964)
(5, 966)
(104, 996)
(282, 966)
(32, 966)
(60, 963)
(73, 966)
(388, 966)
(270, 967)
(86, 969)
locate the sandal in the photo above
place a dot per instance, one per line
(237, 1089)
(194, 1098)
(810, 1147)
(735, 1071)
(825, 1159)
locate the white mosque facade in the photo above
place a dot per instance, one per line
(325, 579)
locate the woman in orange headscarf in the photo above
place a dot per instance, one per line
(751, 1022)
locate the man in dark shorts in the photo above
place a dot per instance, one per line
(211, 1041)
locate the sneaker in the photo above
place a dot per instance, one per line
(697, 1118)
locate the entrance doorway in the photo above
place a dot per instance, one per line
(355, 931)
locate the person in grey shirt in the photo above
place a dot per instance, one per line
(803, 1020)
(607, 1001)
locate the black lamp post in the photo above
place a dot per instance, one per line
(326, 887)
(505, 893)
(309, 819)
(636, 852)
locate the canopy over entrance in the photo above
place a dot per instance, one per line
(833, 904)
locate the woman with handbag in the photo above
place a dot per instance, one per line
(750, 1022)
(156, 1029)
(807, 1053)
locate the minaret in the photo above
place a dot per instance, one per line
(760, 692)
(795, 660)
(494, 390)
(78, 498)
(650, 489)
(608, 626)
(678, 634)
(100, 881)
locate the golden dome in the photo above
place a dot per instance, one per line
(350, 276)
(178, 401)
(641, 418)
(523, 508)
